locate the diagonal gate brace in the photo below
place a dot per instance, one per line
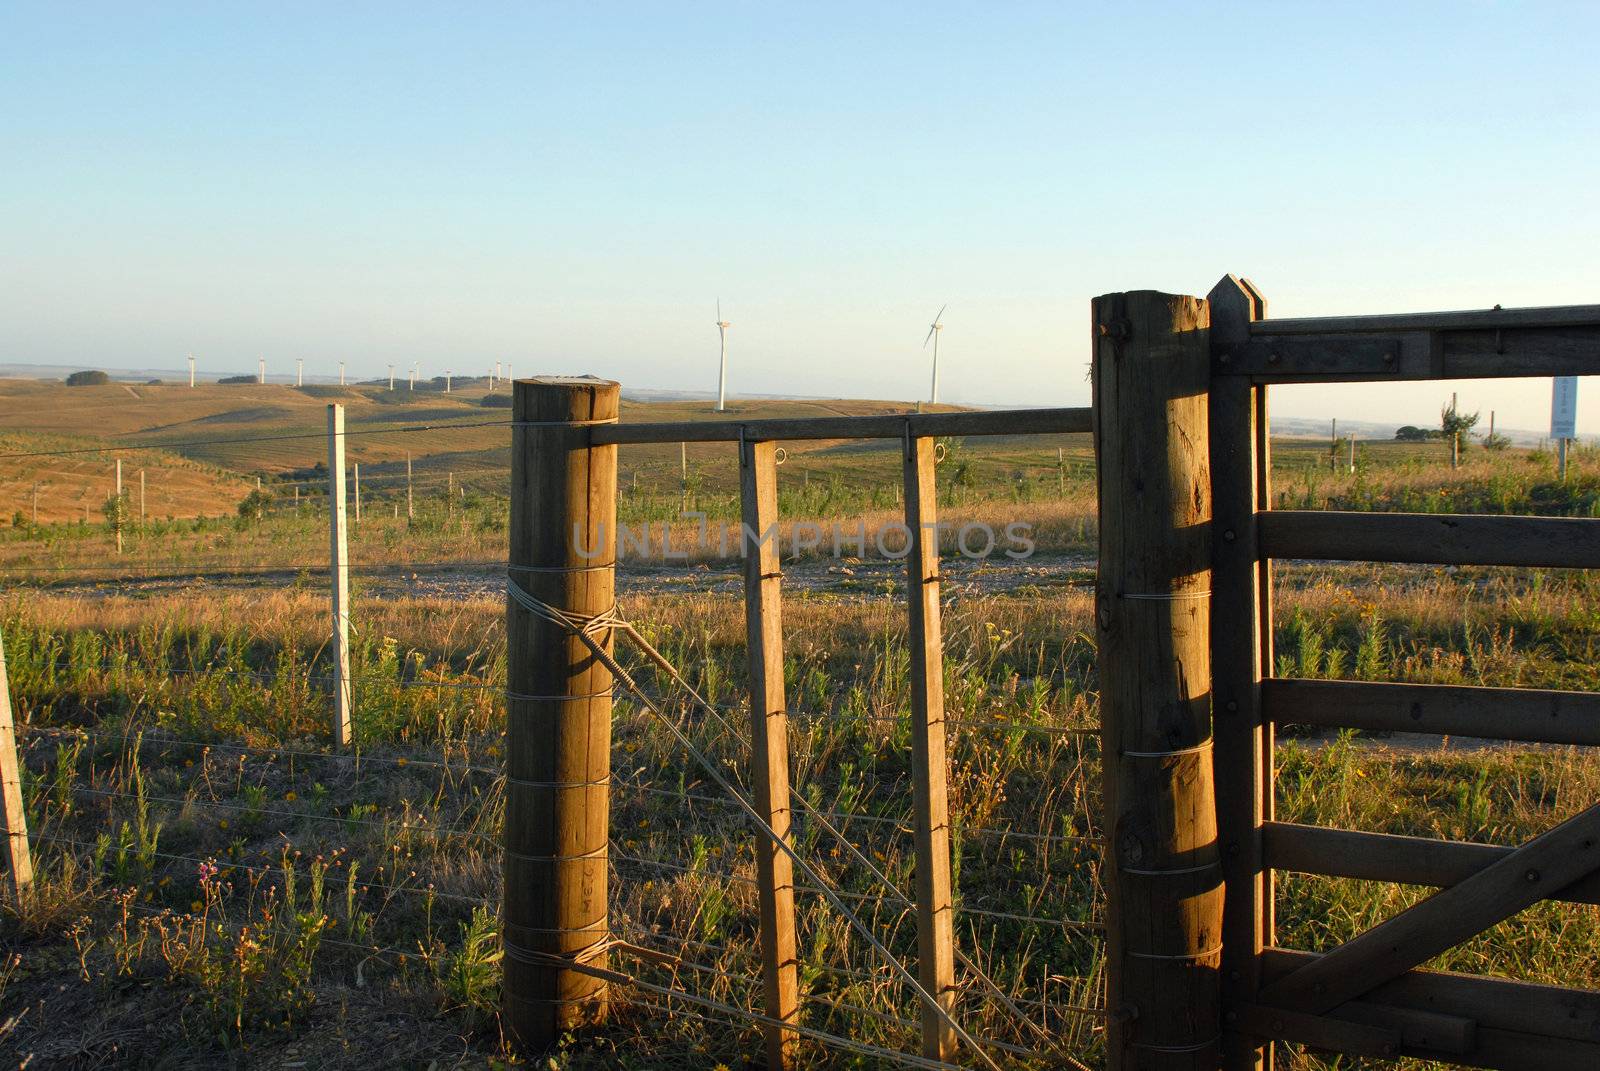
(1536, 871)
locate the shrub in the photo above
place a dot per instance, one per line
(232, 380)
(495, 401)
(88, 379)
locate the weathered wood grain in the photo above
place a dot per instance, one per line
(1430, 538)
(1162, 876)
(1536, 715)
(558, 709)
(886, 426)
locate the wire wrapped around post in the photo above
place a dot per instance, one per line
(558, 708)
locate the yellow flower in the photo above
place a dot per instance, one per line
(222, 824)
(196, 906)
(401, 761)
(290, 797)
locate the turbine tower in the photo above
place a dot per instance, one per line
(722, 376)
(933, 336)
(391, 377)
(299, 371)
(261, 369)
(191, 369)
(341, 373)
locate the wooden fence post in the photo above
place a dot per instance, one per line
(558, 708)
(769, 729)
(1161, 873)
(1241, 656)
(929, 758)
(19, 861)
(339, 567)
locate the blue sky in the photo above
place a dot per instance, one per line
(570, 188)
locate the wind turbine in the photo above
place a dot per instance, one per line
(341, 373)
(191, 369)
(299, 371)
(391, 377)
(722, 376)
(933, 336)
(261, 369)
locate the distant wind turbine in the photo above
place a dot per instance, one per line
(299, 371)
(933, 335)
(722, 376)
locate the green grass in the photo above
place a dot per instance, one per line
(156, 680)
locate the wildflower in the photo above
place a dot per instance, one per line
(196, 906)
(401, 761)
(290, 797)
(222, 823)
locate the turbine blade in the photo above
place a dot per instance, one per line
(926, 340)
(719, 310)
(946, 305)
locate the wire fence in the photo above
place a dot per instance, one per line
(398, 845)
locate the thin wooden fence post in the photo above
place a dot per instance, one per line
(558, 708)
(339, 569)
(355, 478)
(769, 729)
(1161, 873)
(19, 861)
(1241, 656)
(929, 759)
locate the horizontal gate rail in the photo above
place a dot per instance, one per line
(1534, 715)
(1478, 344)
(1520, 1026)
(1431, 538)
(881, 426)
(1350, 853)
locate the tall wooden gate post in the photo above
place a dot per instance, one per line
(1161, 872)
(558, 707)
(1242, 656)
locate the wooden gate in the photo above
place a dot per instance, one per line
(1186, 518)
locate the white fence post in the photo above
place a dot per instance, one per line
(339, 561)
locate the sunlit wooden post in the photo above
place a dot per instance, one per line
(929, 759)
(19, 861)
(1163, 883)
(558, 708)
(769, 758)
